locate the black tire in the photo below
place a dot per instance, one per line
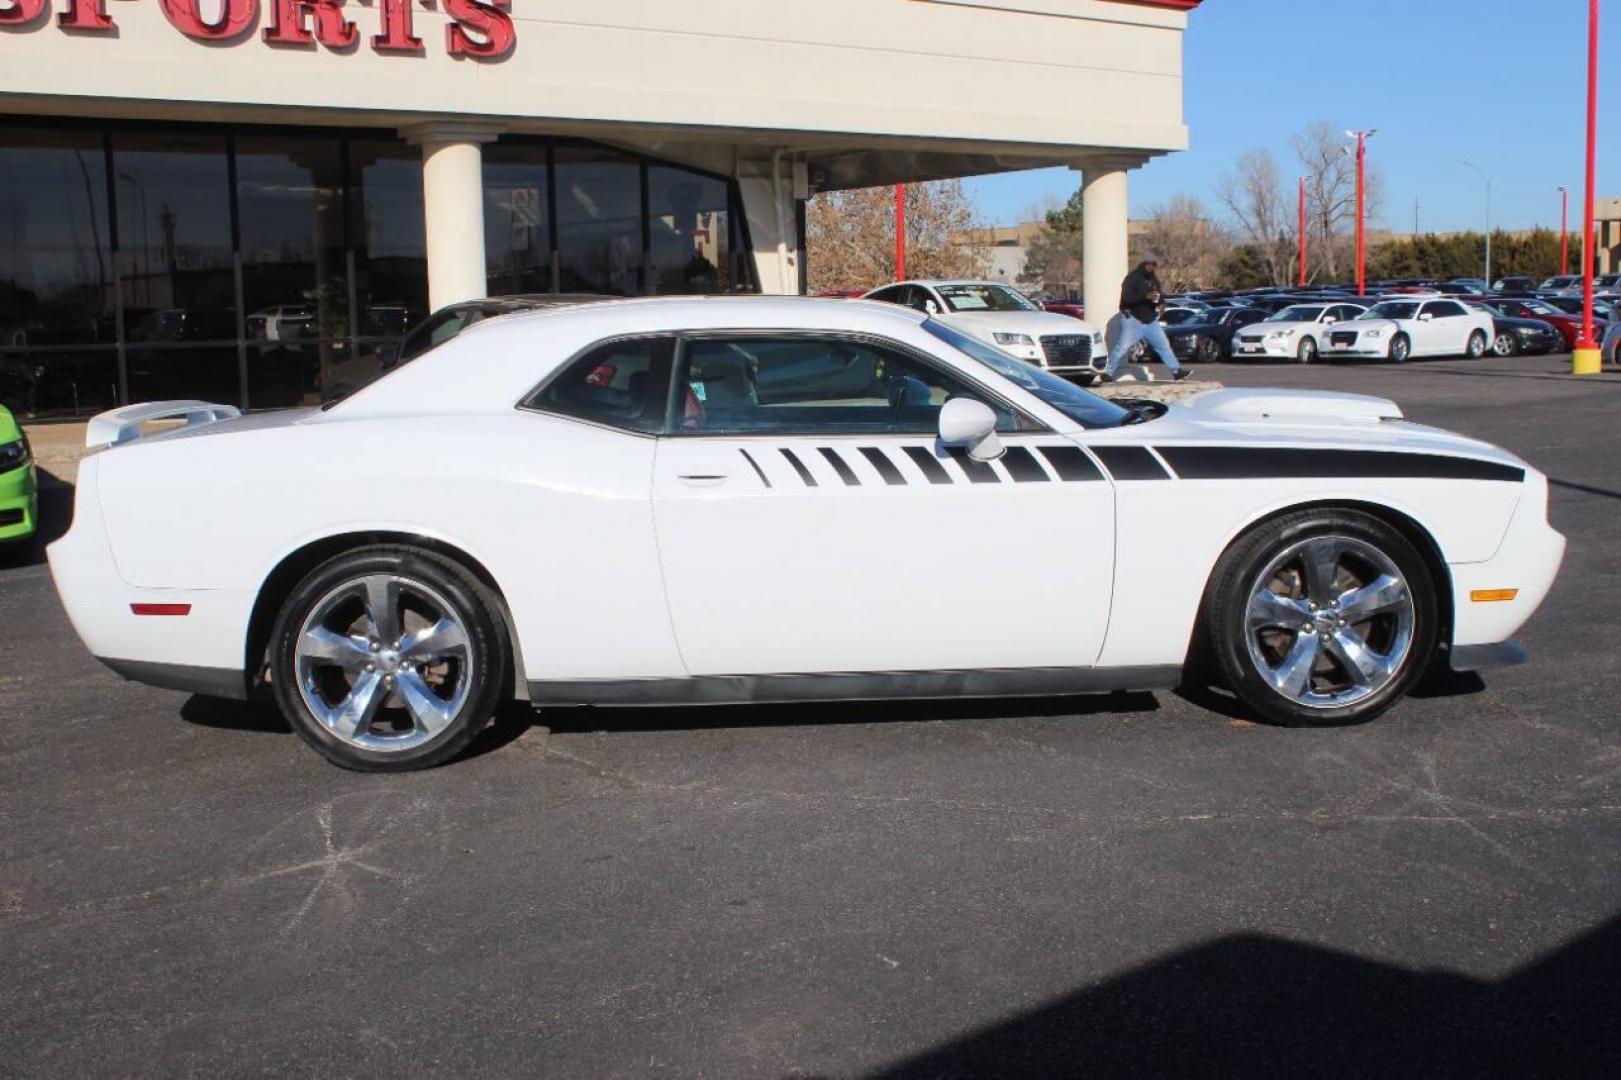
(1476, 348)
(1208, 352)
(1400, 349)
(1307, 352)
(1505, 344)
(1236, 578)
(485, 663)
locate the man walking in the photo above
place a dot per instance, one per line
(1140, 296)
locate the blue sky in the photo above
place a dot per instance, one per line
(1501, 83)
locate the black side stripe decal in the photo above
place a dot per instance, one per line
(847, 474)
(930, 465)
(1022, 465)
(1131, 463)
(1070, 463)
(978, 472)
(799, 467)
(886, 468)
(748, 457)
(1249, 462)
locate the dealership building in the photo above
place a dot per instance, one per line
(243, 200)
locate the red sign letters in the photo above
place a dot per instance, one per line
(478, 29)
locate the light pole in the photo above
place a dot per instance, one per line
(1585, 359)
(1564, 231)
(1488, 180)
(1361, 138)
(900, 232)
(1302, 231)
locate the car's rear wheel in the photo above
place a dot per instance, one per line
(1322, 617)
(1307, 351)
(1477, 345)
(1505, 343)
(388, 659)
(1400, 349)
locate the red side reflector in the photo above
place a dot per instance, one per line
(161, 609)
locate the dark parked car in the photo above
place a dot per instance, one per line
(1568, 325)
(1514, 336)
(1210, 339)
(1514, 284)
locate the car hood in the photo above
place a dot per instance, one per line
(1308, 418)
(1366, 324)
(1035, 323)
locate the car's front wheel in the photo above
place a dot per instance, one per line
(1505, 344)
(1400, 349)
(1307, 351)
(388, 659)
(1209, 351)
(1322, 617)
(1477, 345)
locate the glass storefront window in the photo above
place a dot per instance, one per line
(517, 219)
(176, 266)
(57, 333)
(295, 276)
(599, 221)
(132, 268)
(689, 231)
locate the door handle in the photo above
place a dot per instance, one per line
(702, 479)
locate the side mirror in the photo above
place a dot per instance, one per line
(931, 308)
(1425, 317)
(1330, 321)
(970, 424)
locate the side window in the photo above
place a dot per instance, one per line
(895, 294)
(1443, 309)
(623, 384)
(921, 299)
(814, 385)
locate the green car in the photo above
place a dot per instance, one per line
(19, 490)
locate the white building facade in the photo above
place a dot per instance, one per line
(231, 198)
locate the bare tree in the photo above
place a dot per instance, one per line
(1329, 167)
(1190, 245)
(1253, 195)
(850, 236)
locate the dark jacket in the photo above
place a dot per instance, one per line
(1135, 291)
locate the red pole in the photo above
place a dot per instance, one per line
(1564, 231)
(1361, 239)
(1586, 360)
(1302, 230)
(900, 232)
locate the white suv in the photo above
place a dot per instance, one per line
(1005, 318)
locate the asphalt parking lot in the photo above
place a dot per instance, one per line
(1142, 884)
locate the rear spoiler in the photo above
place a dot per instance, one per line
(124, 425)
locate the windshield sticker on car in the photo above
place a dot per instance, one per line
(698, 391)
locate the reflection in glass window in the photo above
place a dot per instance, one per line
(176, 263)
(391, 251)
(690, 249)
(814, 385)
(517, 233)
(599, 221)
(56, 274)
(295, 282)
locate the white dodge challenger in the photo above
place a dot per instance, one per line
(674, 501)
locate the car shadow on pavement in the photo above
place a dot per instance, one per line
(1252, 1004)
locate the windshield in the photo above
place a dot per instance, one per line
(983, 298)
(1086, 409)
(1390, 310)
(1178, 315)
(1298, 313)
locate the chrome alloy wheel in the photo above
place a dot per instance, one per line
(1329, 622)
(383, 662)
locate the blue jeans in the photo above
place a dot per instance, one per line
(1131, 332)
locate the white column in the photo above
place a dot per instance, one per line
(453, 207)
(1104, 212)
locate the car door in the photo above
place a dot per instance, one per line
(809, 522)
(1448, 329)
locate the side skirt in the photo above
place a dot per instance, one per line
(853, 686)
